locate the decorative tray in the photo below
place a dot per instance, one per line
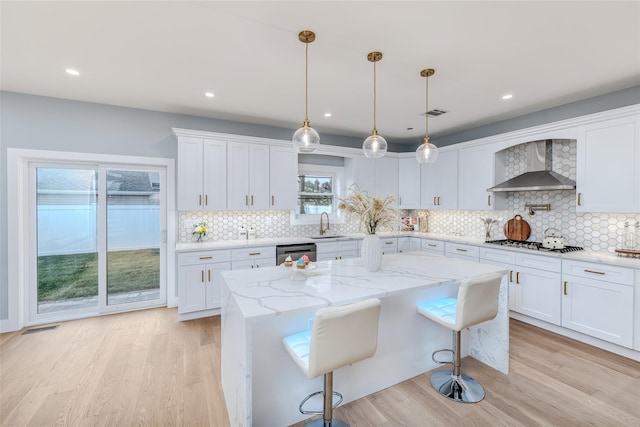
(628, 253)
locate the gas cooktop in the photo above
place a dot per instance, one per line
(536, 246)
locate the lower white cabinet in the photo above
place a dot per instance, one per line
(245, 258)
(534, 282)
(199, 279)
(389, 245)
(459, 250)
(432, 246)
(408, 244)
(598, 300)
(338, 249)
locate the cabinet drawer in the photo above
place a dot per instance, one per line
(389, 244)
(608, 273)
(497, 255)
(433, 246)
(348, 245)
(204, 257)
(244, 254)
(326, 247)
(540, 262)
(349, 254)
(462, 250)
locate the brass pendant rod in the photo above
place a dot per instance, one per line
(374, 96)
(426, 106)
(306, 83)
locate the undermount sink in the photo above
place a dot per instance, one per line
(327, 236)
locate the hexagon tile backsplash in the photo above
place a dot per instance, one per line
(595, 231)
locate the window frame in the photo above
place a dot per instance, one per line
(337, 174)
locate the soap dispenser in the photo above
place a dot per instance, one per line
(242, 233)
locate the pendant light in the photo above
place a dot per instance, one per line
(427, 152)
(306, 139)
(375, 145)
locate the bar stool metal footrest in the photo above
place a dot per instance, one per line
(461, 388)
(453, 356)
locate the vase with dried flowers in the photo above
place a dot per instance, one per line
(200, 230)
(374, 213)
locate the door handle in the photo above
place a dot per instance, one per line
(252, 200)
(206, 200)
(209, 275)
(489, 200)
(594, 272)
(273, 200)
(579, 199)
(206, 257)
(434, 201)
(200, 200)
(461, 250)
(510, 276)
(565, 287)
(518, 277)
(202, 274)
(246, 199)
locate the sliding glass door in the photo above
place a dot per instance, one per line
(98, 239)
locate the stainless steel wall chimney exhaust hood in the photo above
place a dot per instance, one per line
(539, 175)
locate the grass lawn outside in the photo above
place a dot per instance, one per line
(76, 275)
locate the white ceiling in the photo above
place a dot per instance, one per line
(164, 55)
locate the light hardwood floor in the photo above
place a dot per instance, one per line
(146, 368)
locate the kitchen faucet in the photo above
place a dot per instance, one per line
(324, 230)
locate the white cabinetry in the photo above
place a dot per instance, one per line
(283, 173)
(475, 175)
(534, 282)
(408, 183)
(408, 244)
(608, 166)
(361, 171)
(389, 245)
(439, 182)
(248, 176)
(386, 176)
(459, 250)
(432, 246)
(202, 174)
(256, 257)
(338, 249)
(598, 300)
(199, 280)
(636, 326)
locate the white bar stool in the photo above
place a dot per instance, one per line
(339, 336)
(477, 302)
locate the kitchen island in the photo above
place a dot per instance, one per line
(263, 386)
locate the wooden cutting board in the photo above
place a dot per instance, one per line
(517, 229)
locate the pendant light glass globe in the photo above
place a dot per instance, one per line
(374, 146)
(306, 139)
(427, 152)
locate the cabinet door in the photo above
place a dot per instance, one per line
(601, 309)
(539, 293)
(386, 176)
(515, 296)
(408, 183)
(213, 284)
(608, 166)
(475, 175)
(237, 176)
(360, 171)
(259, 195)
(214, 154)
(404, 244)
(190, 161)
(439, 182)
(192, 289)
(283, 178)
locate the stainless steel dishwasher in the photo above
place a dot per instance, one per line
(295, 251)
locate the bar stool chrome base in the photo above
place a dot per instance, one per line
(321, 423)
(460, 388)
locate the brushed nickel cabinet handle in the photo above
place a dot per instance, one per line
(246, 199)
(594, 272)
(257, 265)
(400, 201)
(252, 200)
(388, 243)
(200, 200)
(209, 275)
(489, 200)
(432, 245)
(202, 274)
(206, 200)
(461, 250)
(579, 199)
(438, 200)
(434, 201)
(273, 200)
(510, 276)
(565, 287)
(206, 257)
(518, 277)
(255, 253)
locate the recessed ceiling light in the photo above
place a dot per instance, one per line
(209, 94)
(72, 72)
(327, 114)
(507, 96)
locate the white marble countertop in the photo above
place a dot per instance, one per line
(275, 290)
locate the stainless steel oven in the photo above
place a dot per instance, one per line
(295, 251)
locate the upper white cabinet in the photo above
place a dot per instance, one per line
(408, 183)
(439, 182)
(283, 171)
(248, 176)
(608, 166)
(202, 174)
(361, 171)
(475, 175)
(386, 176)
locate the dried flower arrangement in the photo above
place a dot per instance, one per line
(374, 212)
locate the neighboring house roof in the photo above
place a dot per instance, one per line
(71, 180)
